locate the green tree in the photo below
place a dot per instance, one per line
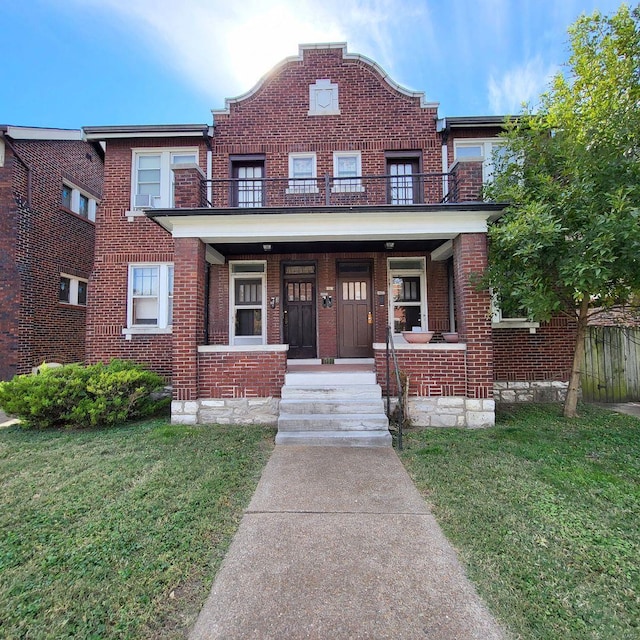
(569, 241)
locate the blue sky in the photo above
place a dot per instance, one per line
(72, 63)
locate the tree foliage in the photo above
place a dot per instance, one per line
(569, 242)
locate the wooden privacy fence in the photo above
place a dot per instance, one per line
(611, 371)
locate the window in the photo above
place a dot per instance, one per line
(72, 290)
(407, 297)
(80, 202)
(153, 180)
(507, 314)
(302, 173)
(404, 179)
(474, 149)
(347, 171)
(248, 174)
(150, 303)
(248, 285)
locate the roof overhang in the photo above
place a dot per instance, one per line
(147, 131)
(327, 225)
(40, 133)
(473, 122)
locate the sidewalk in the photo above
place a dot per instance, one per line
(338, 543)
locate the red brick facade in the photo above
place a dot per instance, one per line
(40, 239)
(206, 232)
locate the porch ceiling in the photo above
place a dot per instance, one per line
(358, 226)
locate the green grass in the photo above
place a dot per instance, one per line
(118, 533)
(545, 513)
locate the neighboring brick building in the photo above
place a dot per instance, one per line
(321, 207)
(50, 186)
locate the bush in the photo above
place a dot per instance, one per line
(74, 396)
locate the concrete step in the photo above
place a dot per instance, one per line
(336, 438)
(330, 404)
(330, 391)
(332, 422)
(329, 378)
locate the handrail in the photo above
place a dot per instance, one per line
(391, 350)
(396, 190)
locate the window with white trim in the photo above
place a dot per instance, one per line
(479, 149)
(72, 290)
(248, 299)
(347, 171)
(507, 314)
(80, 202)
(152, 177)
(407, 294)
(302, 173)
(150, 298)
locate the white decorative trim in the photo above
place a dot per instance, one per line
(323, 90)
(436, 346)
(346, 56)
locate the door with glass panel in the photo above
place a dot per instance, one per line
(299, 310)
(355, 310)
(403, 182)
(248, 186)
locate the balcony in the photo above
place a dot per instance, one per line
(285, 193)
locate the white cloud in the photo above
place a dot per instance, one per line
(519, 85)
(223, 48)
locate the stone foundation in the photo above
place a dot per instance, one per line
(226, 411)
(537, 391)
(451, 411)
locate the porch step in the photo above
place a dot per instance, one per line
(336, 438)
(332, 406)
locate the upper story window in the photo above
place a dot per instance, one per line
(75, 199)
(404, 184)
(150, 298)
(347, 171)
(72, 290)
(153, 180)
(479, 149)
(248, 186)
(302, 173)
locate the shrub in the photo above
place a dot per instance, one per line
(99, 395)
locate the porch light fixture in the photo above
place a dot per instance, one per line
(266, 247)
(389, 245)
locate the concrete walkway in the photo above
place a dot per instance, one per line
(338, 543)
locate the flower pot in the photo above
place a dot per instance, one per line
(420, 337)
(451, 337)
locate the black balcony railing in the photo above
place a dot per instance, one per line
(400, 190)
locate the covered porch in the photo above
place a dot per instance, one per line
(259, 291)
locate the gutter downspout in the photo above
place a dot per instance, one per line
(24, 164)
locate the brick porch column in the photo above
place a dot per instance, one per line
(474, 317)
(188, 315)
(188, 189)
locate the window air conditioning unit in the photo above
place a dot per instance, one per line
(144, 201)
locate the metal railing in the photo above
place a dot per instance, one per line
(399, 190)
(391, 355)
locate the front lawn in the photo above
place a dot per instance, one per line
(545, 513)
(118, 533)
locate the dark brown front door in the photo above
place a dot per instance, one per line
(300, 316)
(355, 320)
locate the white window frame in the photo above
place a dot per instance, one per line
(408, 272)
(309, 184)
(486, 146)
(165, 199)
(348, 184)
(74, 283)
(498, 321)
(76, 193)
(165, 295)
(261, 274)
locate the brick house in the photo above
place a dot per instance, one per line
(323, 210)
(50, 187)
